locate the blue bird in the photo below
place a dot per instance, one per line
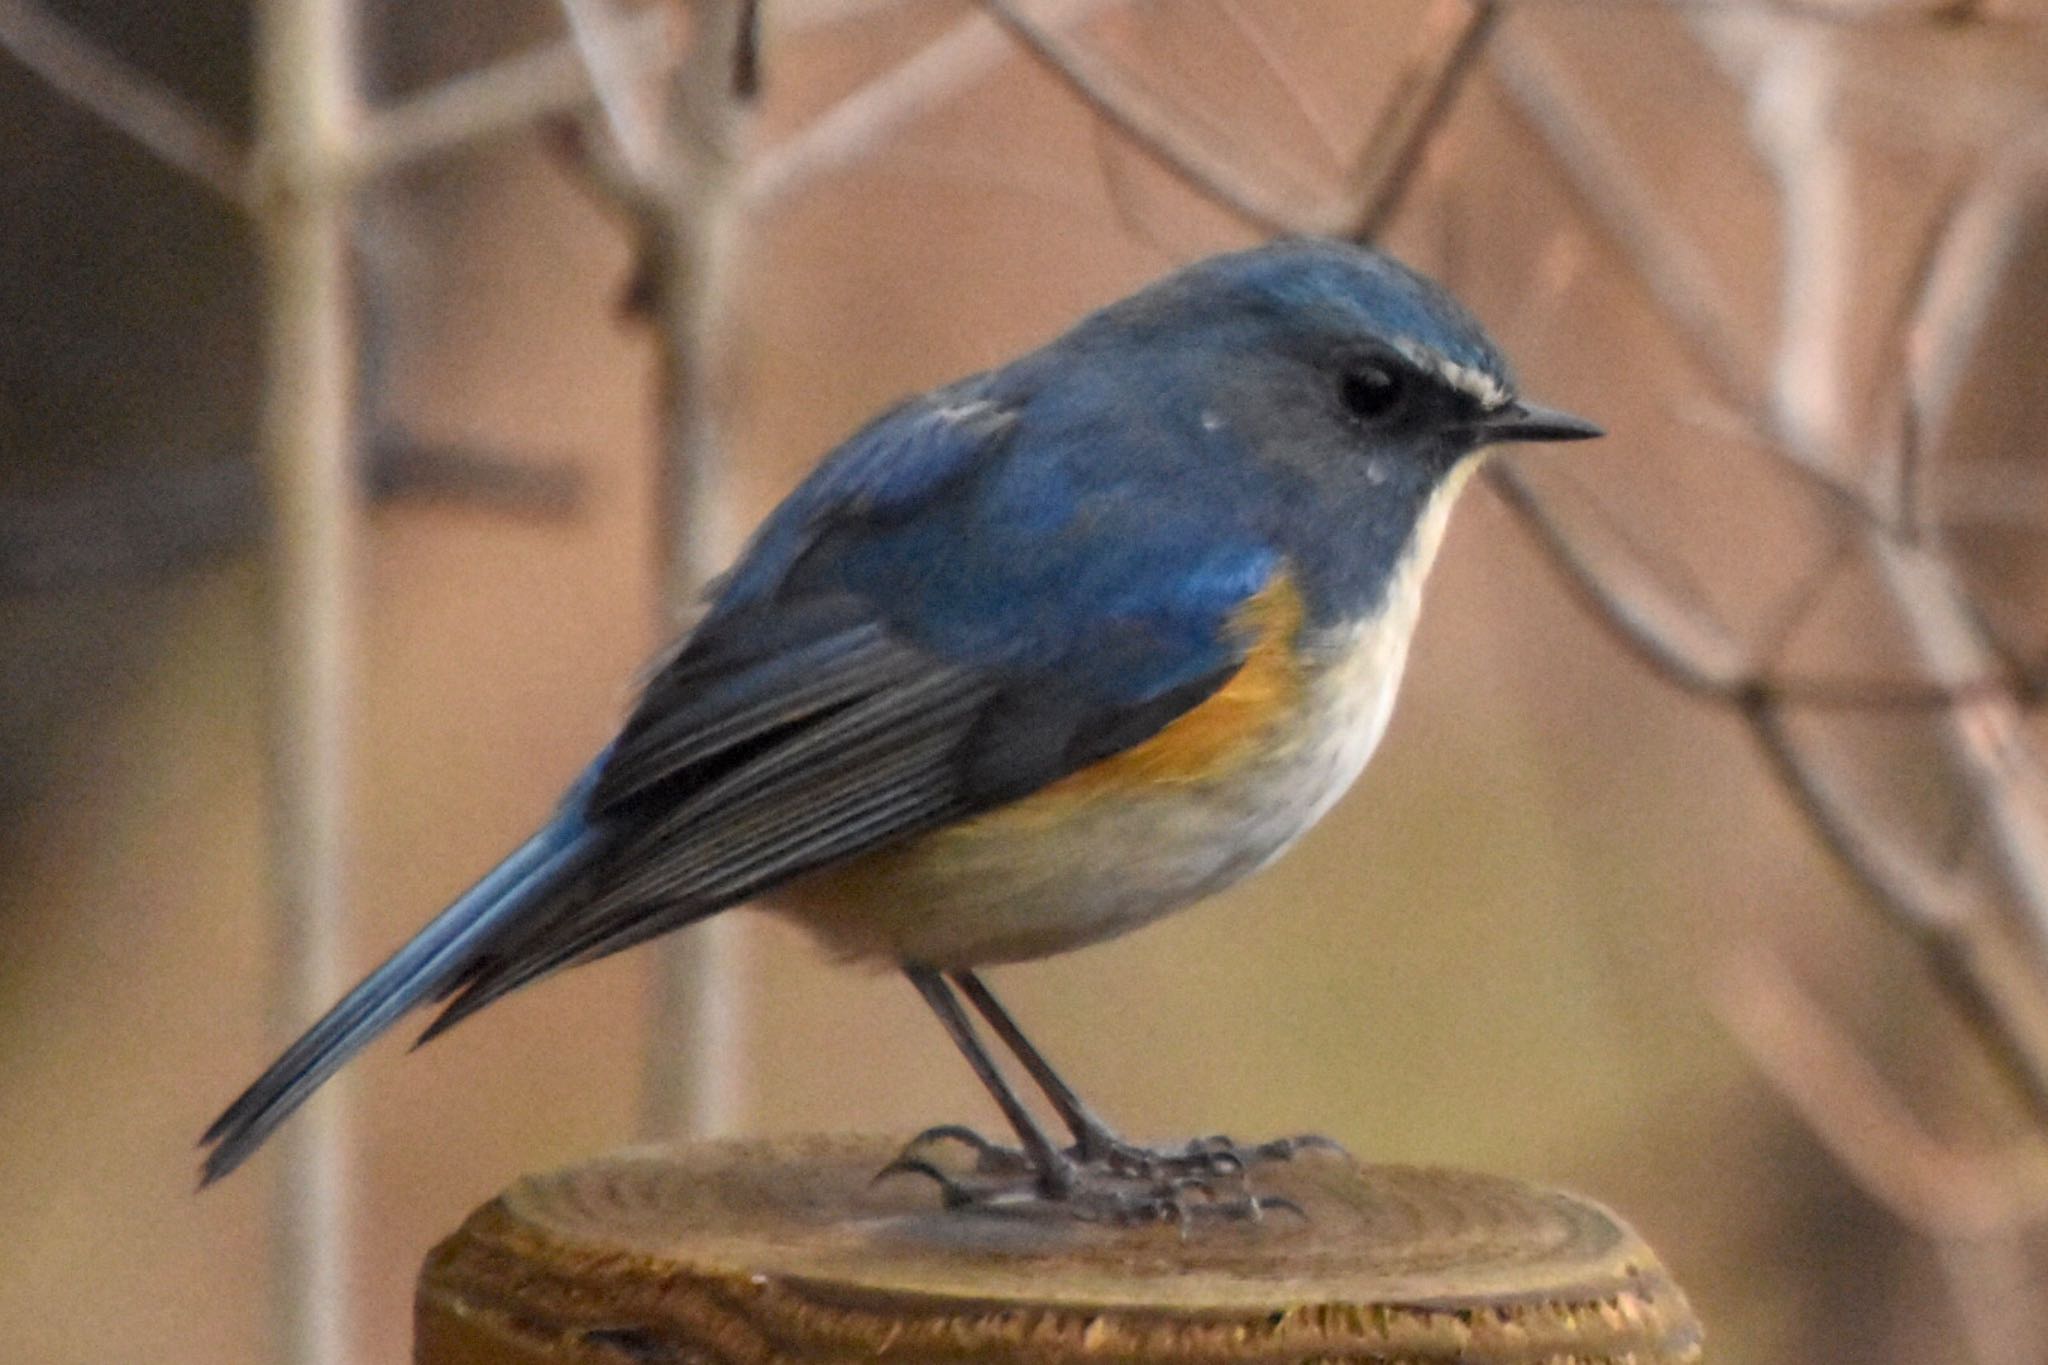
(1026, 663)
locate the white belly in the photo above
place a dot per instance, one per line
(1026, 882)
(1007, 888)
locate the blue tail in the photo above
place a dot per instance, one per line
(416, 972)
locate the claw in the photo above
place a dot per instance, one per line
(990, 1158)
(951, 1132)
(954, 1194)
(1108, 1180)
(1285, 1148)
(1261, 1203)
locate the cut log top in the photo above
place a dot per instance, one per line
(762, 1251)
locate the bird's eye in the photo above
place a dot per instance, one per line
(1370, 392)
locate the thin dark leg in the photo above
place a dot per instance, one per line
(1055, 1176)
(1095, 1142)
(1093, 1139)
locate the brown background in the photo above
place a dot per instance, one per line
(1499, 951)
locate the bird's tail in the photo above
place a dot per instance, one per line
(416, 972)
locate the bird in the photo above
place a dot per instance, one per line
(1024, 664)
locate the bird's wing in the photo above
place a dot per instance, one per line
(909, 640)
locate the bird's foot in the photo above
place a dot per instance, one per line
(1185, 1201)
(1103, 1179)
(1212, 1157)
(990, 1158)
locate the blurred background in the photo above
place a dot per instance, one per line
(1704, 869)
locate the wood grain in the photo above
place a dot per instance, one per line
(756, 1251)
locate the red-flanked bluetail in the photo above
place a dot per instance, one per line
(1026, 663)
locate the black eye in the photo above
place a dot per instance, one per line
(1370, 392)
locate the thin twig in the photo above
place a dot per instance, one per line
(1161, 135)
(1964, 282)
(1793, 99)
(507, 97)
(858, 128)
(1909, 511)
(1845, 1103)
(1623, 204)
(1260, 44)
(1670, 264)
(1688, 647)
(1988, 977)
(1454, 34)
(1918, 897)
(159, 121)
(615, 79)
(1692, 651)
(1987, 737)
(1983, 971)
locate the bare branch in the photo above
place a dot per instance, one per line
(159, 523)
(1909, 511)
(1161, 135)
(1989, 977)
(1986, 229)
(615, 80)
(1260, 45)
(158, 121)
(855, 129)
(508, 97)
(1454, 34)
(1987, 736)
(1921, 899)
(1679, 644)
(1671, 266)
(1685, 644)
(1599, 168)
(403, 467)
(1846, 1104)
(1793, 96)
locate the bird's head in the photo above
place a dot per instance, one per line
(1363, 386)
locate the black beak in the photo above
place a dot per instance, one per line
(1520, 421)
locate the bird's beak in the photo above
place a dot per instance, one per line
(1520, 421)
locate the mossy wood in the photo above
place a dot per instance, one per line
(739, 1252)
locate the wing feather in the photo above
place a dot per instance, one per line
(866, 675)
(868, 774)
(667, 741)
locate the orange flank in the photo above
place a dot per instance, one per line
(1215, 736)
(1034, 871)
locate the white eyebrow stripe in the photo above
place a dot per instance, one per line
(1466, 379)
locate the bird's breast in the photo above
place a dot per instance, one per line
(1214, 795)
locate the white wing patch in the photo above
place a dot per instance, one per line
(964, 414)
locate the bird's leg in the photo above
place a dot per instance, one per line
(1102, 1178)
(1054, 1174)
(1095, 1142)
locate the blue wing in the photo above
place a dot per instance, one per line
(979, 593)
(964, 603)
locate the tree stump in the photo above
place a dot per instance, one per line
(736, 1252)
